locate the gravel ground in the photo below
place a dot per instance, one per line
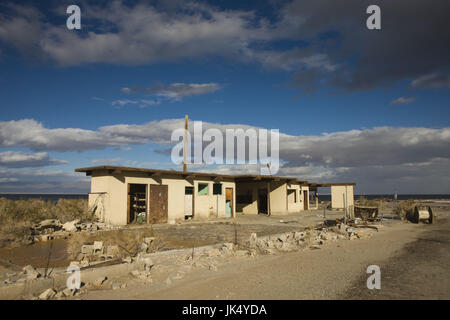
(326, 273)
(420, 271)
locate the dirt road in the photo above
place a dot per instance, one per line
(420, 271)
(414, 261)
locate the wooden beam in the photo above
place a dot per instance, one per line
(154, 174)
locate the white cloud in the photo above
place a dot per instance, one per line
(144, 34)
(406, 154)
(432, 81)
(177, 91)
(31, 134)
(107, 161)
(42, 181)
(403, 100)
(16, 159)
(126, 90)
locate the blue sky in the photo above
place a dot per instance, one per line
(305, 69)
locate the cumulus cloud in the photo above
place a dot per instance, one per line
(16, 159)
(31, 134)
(42, 181)
(403, 100)
(144, 34)
(373, 158)
(339, 50)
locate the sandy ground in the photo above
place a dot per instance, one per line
(185, 235)
(414, 261)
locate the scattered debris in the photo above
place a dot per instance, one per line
(47, 294)
(366, 213)
(50, 229)
(98, 282)
(31, 272)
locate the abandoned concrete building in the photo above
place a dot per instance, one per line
(123, 195)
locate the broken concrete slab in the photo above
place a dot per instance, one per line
(253, 240)
(227, 247)
(71, 226)
(47, 294)
(31, 272)
(87, 249)
(68, 292)
(97, 247)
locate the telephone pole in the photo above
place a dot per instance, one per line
(185, 142)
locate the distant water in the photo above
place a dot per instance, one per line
(322, 197)
(46, 197)
(327, 197)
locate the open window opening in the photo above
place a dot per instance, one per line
(203, 189)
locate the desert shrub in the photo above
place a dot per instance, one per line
(35, 210)
(18, 216)
(379, 203)
(404, 209)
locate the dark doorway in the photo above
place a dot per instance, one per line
(158, 203)
(306, 200)
(137, 203)
(262, 201)
(188, 202)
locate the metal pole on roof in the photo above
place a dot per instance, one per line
(268, 191)
(185, 142)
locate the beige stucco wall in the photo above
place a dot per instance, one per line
(211, 206)
(337, 196)
(305, 189)
(115, 187)
(245, 188)
(278, 197)
(297, 205)
(99, 197)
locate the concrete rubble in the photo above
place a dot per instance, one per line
(50, 229)
(47, 294)
(175, 266)
(31, 272)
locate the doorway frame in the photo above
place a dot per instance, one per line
(232, 201)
